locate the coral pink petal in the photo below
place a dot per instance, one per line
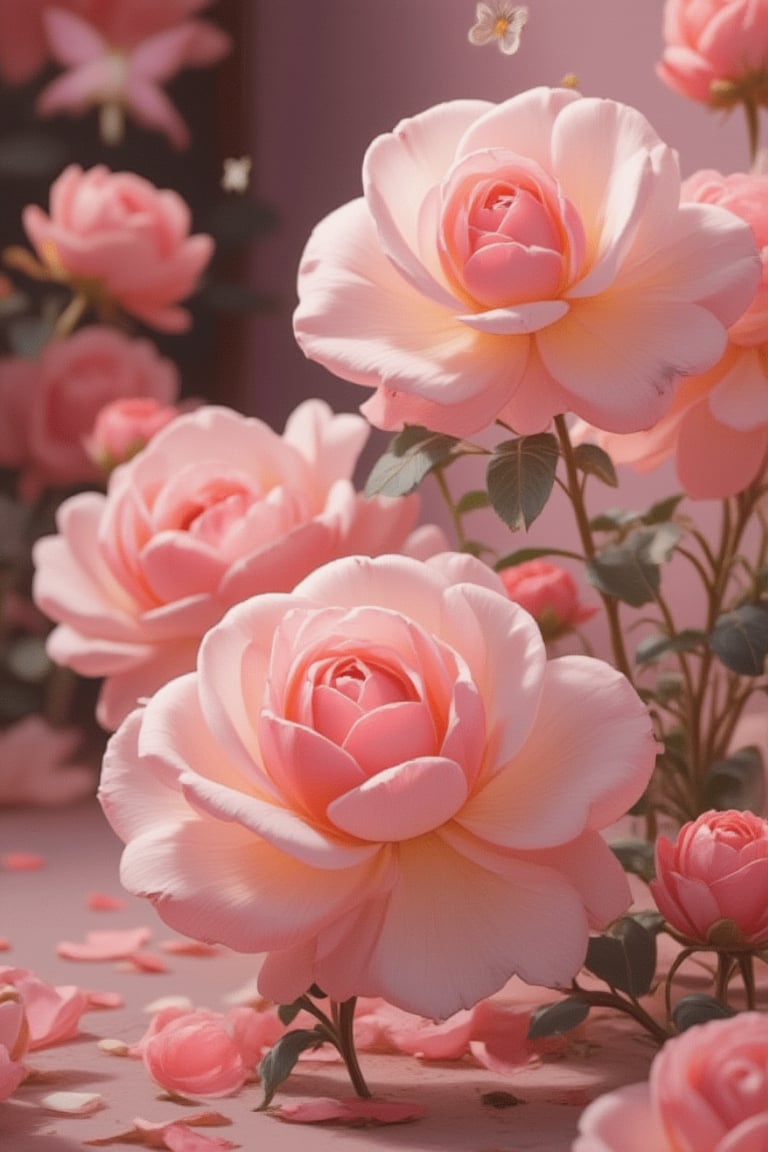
(72, 40)
(403, 801)
(22, 861)
(564, 756)
(622, 1121)
(74, 90)
(152, 108)
(740, 398)
(352, 1111)
(105, 945)
(330, 443)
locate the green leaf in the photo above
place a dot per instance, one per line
(736, 782)
(613, 519)
(653, 648)
(698, 1008)
(624, 957)
(630, 571)
(287, 1013)
(411, 455)
(520, 478)
(555, 1019)
(277, 1065)
(662, 510)
(595, 461)
(635, 856)
(739, 639)
(524, 554)
(473, 501)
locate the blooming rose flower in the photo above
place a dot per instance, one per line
(520, 260)
(716, 870)
(124, 79)
(708, 1092)
(193, 1052)
(14, 1036)
(549, 593)
(378, 776)
(123, 427)
(52, 403)
(216, 508)
(717, 426)
(712, 45)
(115, 235)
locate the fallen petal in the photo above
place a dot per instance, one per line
(73, 1103)
(351, 1110)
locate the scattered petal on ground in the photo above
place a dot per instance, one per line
(175, 1135)
(73, 1103)
(162, 1002)
(350, 1110)
(182, 947)
(104, 999)
(144, 962)
(104, 902)
(118, 944)
(5, 944)
(22, 861)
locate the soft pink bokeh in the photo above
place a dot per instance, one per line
(716, 870)
(516, 261)
(708, 1092)
(713, 42)
(123, 427)
(116, 237)
(38, 765)
(51, 404)
(125, 79)
(549, 593)
(14, 1037)
(343, 784)
(216, 508)
(717, 427)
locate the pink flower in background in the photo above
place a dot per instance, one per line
(549, 593)
(116, 237)
(23, 43)
(216, 508)
(716, 870)
(520, 260)
(708, 1092)
(36, 765)
(709, 44)
(123, 427)
(717, 426)
(14, 1037)
(51, 404)
(343, 784)
(125, 79)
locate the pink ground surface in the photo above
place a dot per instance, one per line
(40, 907)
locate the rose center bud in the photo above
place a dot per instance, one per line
(214, 509)
(507, 234)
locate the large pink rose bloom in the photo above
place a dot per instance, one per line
(520, 260)
(708, 1092)
(51, 404)
(115, 235)
(216, 508)
(716, 870)
(711, 43)
(717, 426)
(381, 782)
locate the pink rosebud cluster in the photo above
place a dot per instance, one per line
(216, 508)
(708, 1092)
(549, 593)
(711, 883)
(50, 405)
(116, 238)
(124, 427)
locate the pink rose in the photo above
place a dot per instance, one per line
(193, 1053)
(123, 427)
(14, 1037)
(216, 508)
(712, 44)
(708, 1092)
(716, 870)
(344, 785)
(717, 426)
(549, 593)
(52, 403)
(520, 260)
(115, 235)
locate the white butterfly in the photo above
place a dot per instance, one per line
(500, 21)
